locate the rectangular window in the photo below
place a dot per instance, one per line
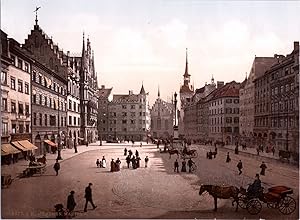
(62, 121)
(34, 118)
(46, 120)
(70, 105)
(123, 106)
(41, 118)
(74, 118)
(27, 67)
(4, 104)
(50, 102)
(13, 83)
(124, 114)
(52, 120)
(20, 64)
(74, 106)
(46, 101)
(20, 85)
(70, 120)
(26, 88)
(78, 121)
(21, 128)
(27, 128)
(132, 106)
(4, 78)
(27, 110)
(41, 99)
(4, 128)
(124, 121)
(13, 107)
(34, 98)
(13, 128)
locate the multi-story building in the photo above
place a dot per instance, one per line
(186, 92)
(162, 118)
(224, 113)
(49, 90)
(103, 114)
(88, 95)
(15, 91)
(247, 93)
(73, 100)
(192, 113)
(277, 104)
(129, 116)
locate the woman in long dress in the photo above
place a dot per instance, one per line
(103, 162)
(183, 168)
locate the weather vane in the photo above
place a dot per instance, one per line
(36, 10)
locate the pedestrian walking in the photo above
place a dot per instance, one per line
(112, 165)
(228, 158)
(190, 164)
(75, 146)
(146, 161)
(125, 151)
(87, 144)
(263, 167)
(273, 150)
(56, 167)
(97, 162)
(141, 144)
(183, 168)
(71, 202)
(88, 197)
(240, 167)
(257, 151)
(118, 164)
(137, 153)
(133, 162)
(103, 162)
(157, 144)
(128, 160)
(176, 166)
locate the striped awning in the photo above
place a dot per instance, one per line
(7, 149)
(50, 143)
(19, 146)
(27, 144)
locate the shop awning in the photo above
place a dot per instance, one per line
(19, 146)
(7, 149)
(27, 144)
(50, 143)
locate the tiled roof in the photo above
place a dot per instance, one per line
(104, 93)
(229, 90)
(125, 98)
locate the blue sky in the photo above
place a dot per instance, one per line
(137, 41)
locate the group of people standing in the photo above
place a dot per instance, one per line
(183, 167)
(134, 160)
(101, 163)
(115, 165)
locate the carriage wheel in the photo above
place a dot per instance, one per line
(254, 206)
(242, 202)
(195, 154)
(287, 205)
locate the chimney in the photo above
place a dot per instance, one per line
(102, 86)
(220, 84)
(130, 92)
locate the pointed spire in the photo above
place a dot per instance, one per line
(142, 92)
(186, 72)
(212, 79)
(246, 76)
(36, 16)
(158, 92)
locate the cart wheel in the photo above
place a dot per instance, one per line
(254, 206)
(195, 154)
(287, 205)
(242, 202)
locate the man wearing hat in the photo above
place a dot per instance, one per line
(88, 197)
(71, 202)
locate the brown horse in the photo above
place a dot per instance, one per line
(221, 192)
(173, 151)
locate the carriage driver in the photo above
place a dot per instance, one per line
(255, 187)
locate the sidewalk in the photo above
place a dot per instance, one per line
(15, 169)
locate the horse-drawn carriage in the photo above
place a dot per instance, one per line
(183, 154)
(277, 197)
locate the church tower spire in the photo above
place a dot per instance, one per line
(186, 72)
(158, 92)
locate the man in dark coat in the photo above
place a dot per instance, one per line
(176, 166)
(240, 167)
(263, 168)
(128, 160)
(71, 202)
(190, 164)
(88, 197)
(228, 158)
(75, 146)
(56, 167)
